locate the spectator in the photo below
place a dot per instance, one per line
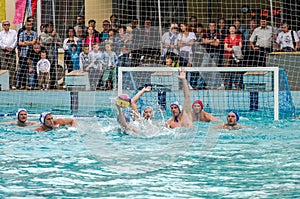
(95, 68)
(120, 39)
(80, 23)
(84, 60)
(211, 40)
(147, 37)
(27, 39)
(231, 80)
(114, 22)
(124, 58)
(169, 41)
(277, 27)
(249, 52)
(261, 42)
(51, 41)
(104, 33)
(91, 38)
(186, 40)
(74, 51)
(31, 75)
(239, 31)
(43, 70)
(34, 55)
(92, 23)
(129, 37)
(222, 32)
(80, 33)
(287, 40)
(111, 39)
(8, 43)
(29, 19)
(193, 24)
(109, 61)
(134, 23)
(71, 39)
(242, 27)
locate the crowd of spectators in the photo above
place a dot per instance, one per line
(228, 43)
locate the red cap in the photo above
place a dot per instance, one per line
(198, 102)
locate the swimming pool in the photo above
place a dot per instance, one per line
(95, 161)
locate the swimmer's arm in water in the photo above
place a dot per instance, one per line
(135, 99)
(63, 122)
(211, 118)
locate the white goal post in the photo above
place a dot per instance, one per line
(261, 82)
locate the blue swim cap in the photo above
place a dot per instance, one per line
(19, 111)
(178, 105)
(236, 115)
(43, 116)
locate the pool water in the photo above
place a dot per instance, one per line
(95, 161)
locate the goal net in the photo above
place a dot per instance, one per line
(255, 92)
(149, 33)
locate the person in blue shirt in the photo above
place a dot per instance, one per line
(74, 51)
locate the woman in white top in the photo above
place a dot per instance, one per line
(186, 40)
(169, 40)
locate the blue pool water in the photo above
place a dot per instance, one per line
(95, 161)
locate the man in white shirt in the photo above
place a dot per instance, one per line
(261, 42)
(287, 40)
(8, 43)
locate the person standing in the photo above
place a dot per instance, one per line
(287, 40)
(231, 79)
(169, 41)
(27, 39)
(8, 43)
(51, 41)
(43, 69)
(211, 39)
(263, 35)
(71, 39)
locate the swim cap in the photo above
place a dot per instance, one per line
(198, 102)
(178, 105)
(43, 117)
(148, 107)
(19, 111)
(236, 115)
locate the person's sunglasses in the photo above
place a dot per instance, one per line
(6, 24)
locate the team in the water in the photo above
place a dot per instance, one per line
(181, 116)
